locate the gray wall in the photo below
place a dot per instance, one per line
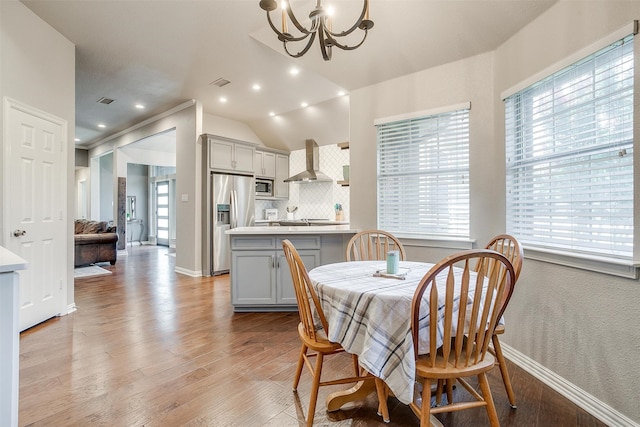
(107, 195)
(581, 325)
(138, 186)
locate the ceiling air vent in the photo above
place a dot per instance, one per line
(105, 101)
(220, 82)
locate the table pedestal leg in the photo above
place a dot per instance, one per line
(359, 391)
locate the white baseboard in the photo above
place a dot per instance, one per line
(186, 272)
(71, 308)
(589, 403)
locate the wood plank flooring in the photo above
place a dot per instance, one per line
(149, 347)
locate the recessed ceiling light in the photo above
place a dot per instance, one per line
(100, 125)
(223, 99)
(77, 139)
(272, 114)
(140, 106)
(256, 87)
(304, 105)
(294, 71)
(342, 93)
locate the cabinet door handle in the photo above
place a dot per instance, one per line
(273, 262)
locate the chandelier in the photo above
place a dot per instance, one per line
(320, 26)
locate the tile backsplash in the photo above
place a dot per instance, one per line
(316, 199)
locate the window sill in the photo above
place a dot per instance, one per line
(435, 241)
(612, 266)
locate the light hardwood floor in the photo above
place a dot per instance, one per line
(149, 347)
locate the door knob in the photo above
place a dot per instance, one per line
(19, 233)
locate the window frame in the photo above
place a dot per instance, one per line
(623, 267)
(416, 238)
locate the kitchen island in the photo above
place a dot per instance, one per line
(259, 274)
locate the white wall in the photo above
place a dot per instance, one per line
(37, 67)
(216, 125)
(581, 325)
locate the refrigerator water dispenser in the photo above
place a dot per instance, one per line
(222, 214)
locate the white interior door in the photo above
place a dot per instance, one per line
(34, 208)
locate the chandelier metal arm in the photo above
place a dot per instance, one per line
(325, 45)
(296, 23)
(303, 51)
(335, 42)
(363, 24)
(285, 37)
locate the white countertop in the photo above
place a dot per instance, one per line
(304, 229)
(325, 221)
(10, 261)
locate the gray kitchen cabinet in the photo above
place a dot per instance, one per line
(281, 188)
(284, 287)
(260, 275)
(265, 164)
(231, 156)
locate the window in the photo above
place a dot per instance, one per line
(423, 174)
(569, 152)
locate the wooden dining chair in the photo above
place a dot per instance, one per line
(459, 355)
(372, 245)
(313, 335)
(509, 247)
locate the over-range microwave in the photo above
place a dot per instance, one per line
(264, 187)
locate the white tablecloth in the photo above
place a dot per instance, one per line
(371, 317)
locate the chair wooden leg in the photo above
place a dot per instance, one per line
(439, 392)
(356, 365)
(504, 371)
(383, 409)
(296, 379)
(317, 372)
(425, 412)
(488, 398)
(449, 384)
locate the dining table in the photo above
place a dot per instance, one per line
(369, 313)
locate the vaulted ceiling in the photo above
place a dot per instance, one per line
(163, 53)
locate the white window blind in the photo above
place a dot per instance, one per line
(569, 152)
(423, 175)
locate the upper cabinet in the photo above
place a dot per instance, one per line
(231, 156)
(281, 188)
(265, 164)
(273, 164)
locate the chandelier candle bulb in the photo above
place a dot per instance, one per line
(284, 17)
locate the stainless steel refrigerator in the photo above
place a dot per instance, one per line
(233, 205)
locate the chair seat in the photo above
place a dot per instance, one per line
(449, 370)
(321, 343)
(499, 330)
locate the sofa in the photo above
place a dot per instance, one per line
(95, 241)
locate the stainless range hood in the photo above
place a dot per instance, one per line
(311, 174)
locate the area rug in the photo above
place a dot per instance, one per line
(88, 271)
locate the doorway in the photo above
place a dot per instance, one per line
(162, 212)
